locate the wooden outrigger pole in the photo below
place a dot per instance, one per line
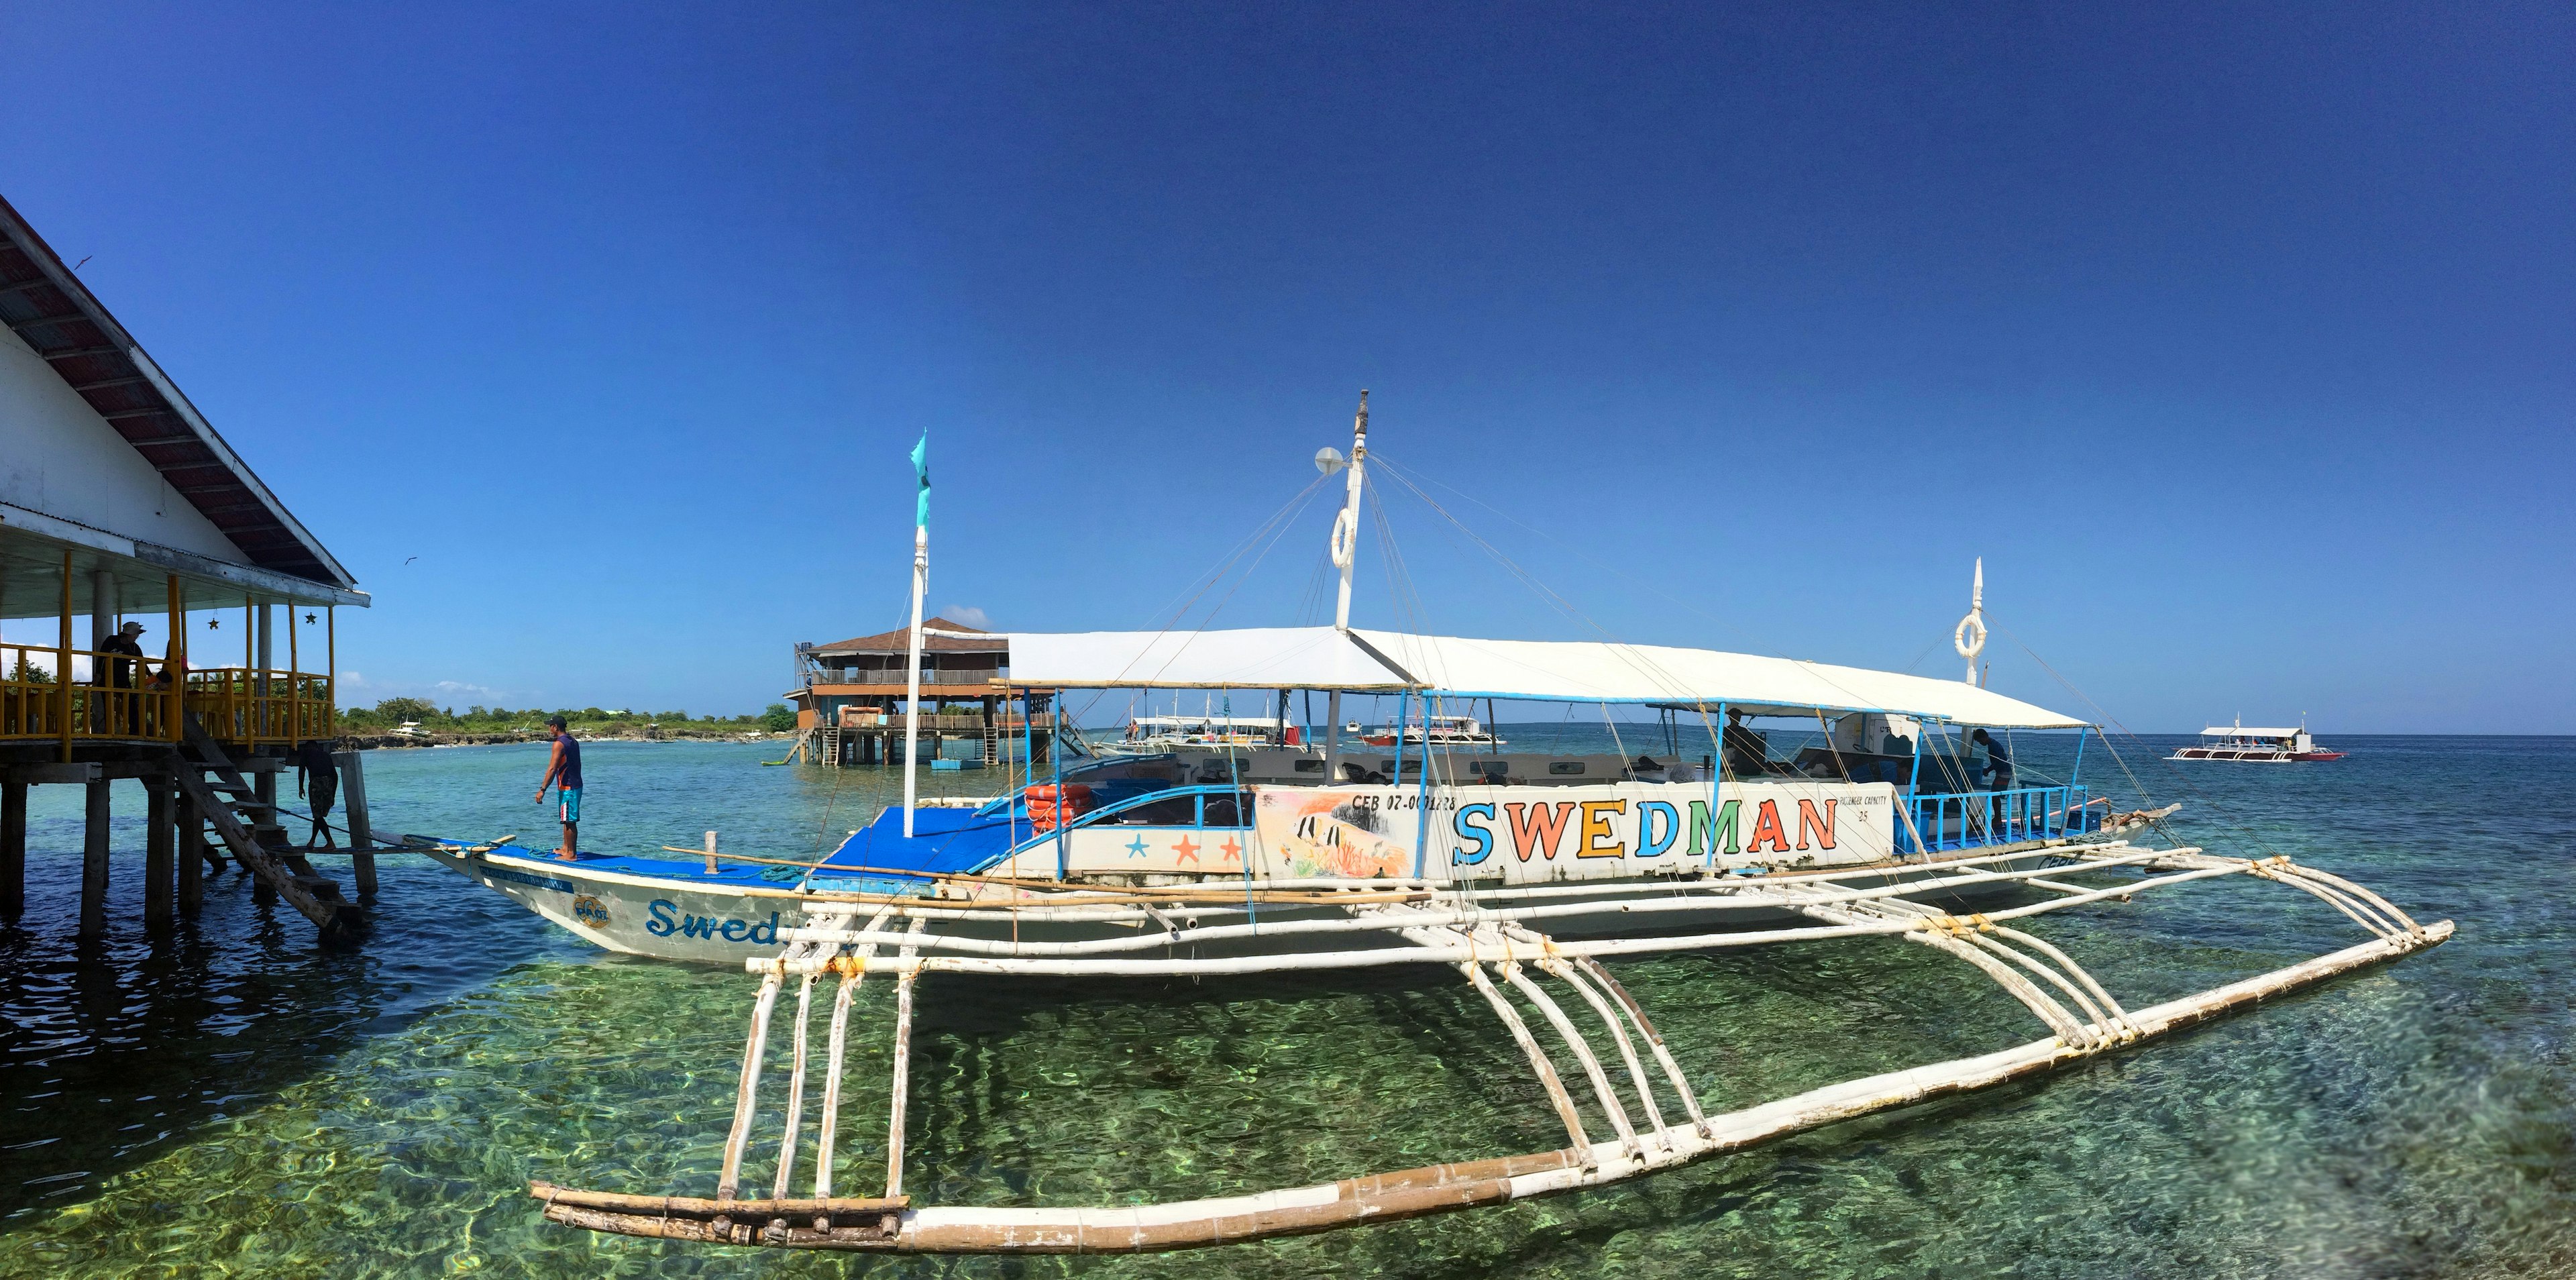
(1482, 941)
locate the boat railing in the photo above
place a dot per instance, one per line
(2015, 815)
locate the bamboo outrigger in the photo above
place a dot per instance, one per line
(1484, 944)
(1349, 871)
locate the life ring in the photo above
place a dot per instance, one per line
(1346, 530)
(1959, 636)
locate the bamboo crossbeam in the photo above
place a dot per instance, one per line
(1372, 957)
(1956, 869)
(2353, 908)
(902, 1089)
(2039, 1002)
(1705, 879)
(1583, 1055)
(1573, 977)
(795, 1093)
(1654, 1040)
(746, 1090)
(830, 1125)
(1545, 1070)
(2119, 1016)
(2095, 1014)
(2064, 977)
(1697, 899)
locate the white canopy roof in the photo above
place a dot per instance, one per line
(2242, 731)
(1254, 658)
(1547, 670)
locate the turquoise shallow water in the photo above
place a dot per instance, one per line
(228, 1099)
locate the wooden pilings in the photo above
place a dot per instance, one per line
(174, 857)
(192, 855)
(877, 744)
(13, 848)
(159, 844)
(353, 806)
(94, 831)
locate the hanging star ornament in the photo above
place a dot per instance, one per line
(214, 624)
(308, 617)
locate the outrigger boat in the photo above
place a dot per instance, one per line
(1522, 874)
(2256, 746)
(1437, 730)
(1154, 735)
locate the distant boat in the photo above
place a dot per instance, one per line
(2256, 746)
(1439, 731)
(1155, 735)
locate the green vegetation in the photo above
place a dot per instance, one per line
(392, 712)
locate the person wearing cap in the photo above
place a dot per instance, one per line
(118, 673)
(563, 772)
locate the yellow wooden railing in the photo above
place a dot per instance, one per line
(36, 705)
(235, 704)
(253, 707)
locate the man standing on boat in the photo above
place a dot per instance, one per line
(563, 770)
(1999, 768)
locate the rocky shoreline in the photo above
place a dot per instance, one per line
(402, 742)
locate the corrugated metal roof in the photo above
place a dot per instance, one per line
(899, 640)
(53, 313)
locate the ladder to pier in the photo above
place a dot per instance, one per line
(227, 800)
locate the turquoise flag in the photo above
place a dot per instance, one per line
(921, 468)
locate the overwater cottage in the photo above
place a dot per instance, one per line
(119, 503)
(849, 698)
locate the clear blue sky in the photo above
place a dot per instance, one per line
(2238, 340)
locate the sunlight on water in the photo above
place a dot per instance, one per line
(230, 1100)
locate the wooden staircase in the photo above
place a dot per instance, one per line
(228, 801)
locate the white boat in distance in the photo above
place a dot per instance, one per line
(1153, 735)
(1520, 873)
(2256, 746)
(1438, 730)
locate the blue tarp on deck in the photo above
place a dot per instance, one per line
(873, 860)
(950, 841)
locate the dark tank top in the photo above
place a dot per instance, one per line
(571, 775)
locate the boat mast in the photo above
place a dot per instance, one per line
(920, 584)
(1345, 549)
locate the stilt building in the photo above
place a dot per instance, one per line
(119, 503)
(849, 699)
